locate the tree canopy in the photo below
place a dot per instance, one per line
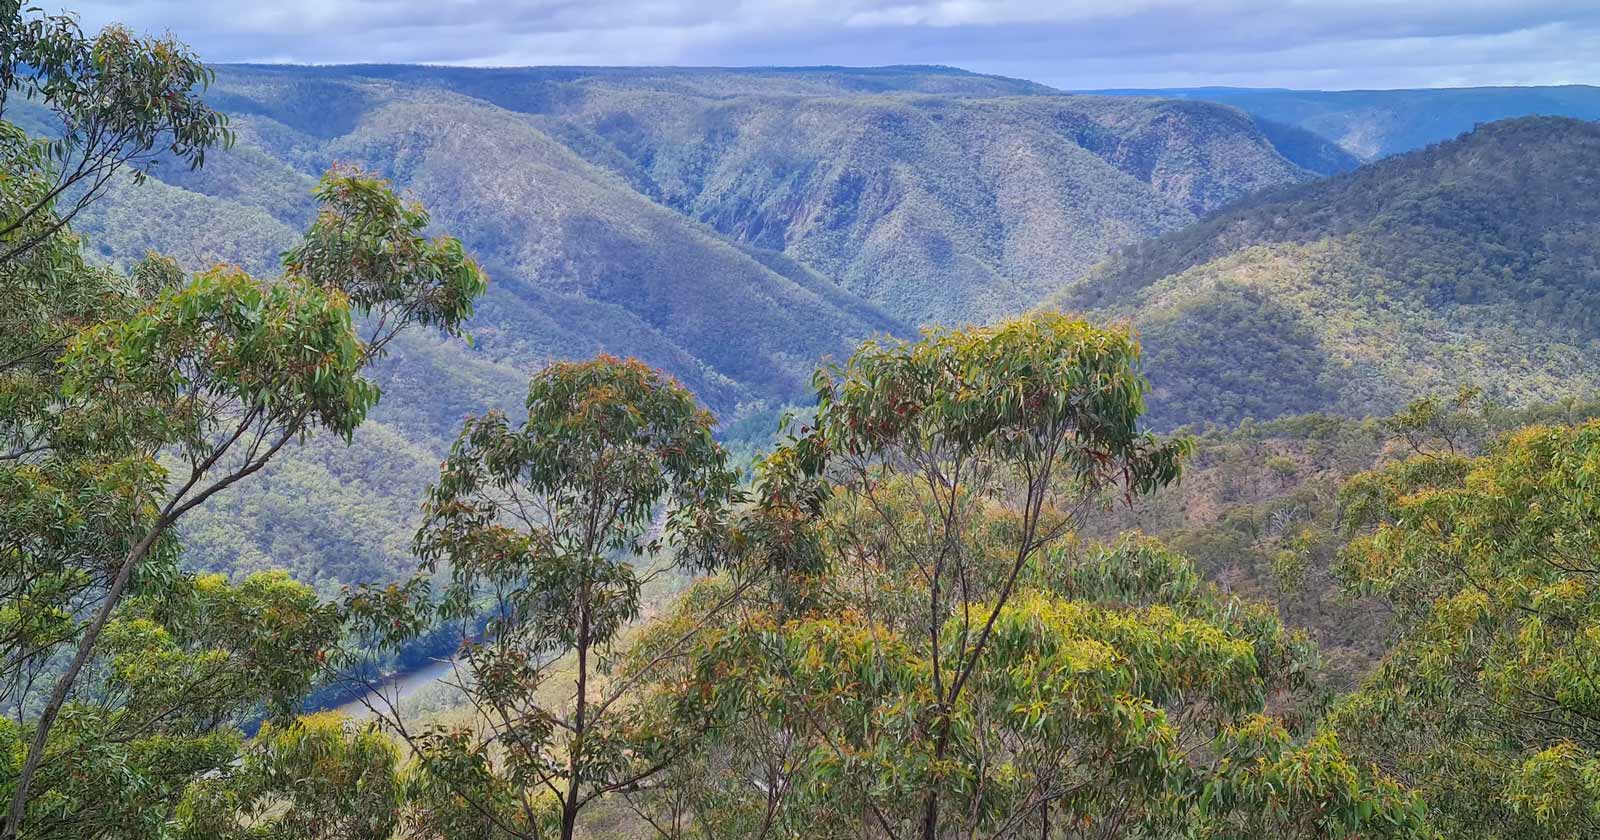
(949, 662)
(130, 400)
(539, 525)
(1486, 703)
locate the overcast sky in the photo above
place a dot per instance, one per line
(1075, 44)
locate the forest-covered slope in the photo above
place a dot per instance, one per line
(581, 263)
(934, 194)
(734, 227)
(944, 209)
(1474, 260)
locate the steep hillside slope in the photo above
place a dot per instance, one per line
(1376, 123)
(1476, 260)
(1306, 149)
(934, 194)
(584, 264)
(939, 209)
(581, 263)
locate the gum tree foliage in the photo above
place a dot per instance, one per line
(1043, 410)
(1487, 703)
(1122, 697)
(122, 103)
(176, 673)
(938, 658)
(75, 495)
(1456, 424)
(320, 778)
(217, 373)
(538, 522)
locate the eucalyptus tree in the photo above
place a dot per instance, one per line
(217, 373)
(1043, 411)
(118, 103)
(940, 658)
(77, 485)
(1122, 696)
(1487, 702)
(539, 524)
(319, 778)
(178, 670)
(1456, 424)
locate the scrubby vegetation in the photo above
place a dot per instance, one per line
(1260, 510)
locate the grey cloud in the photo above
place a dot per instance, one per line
(1071, 43)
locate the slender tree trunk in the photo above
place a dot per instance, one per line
(569, 818)
(965, 666)
(569, 808)
(930, 816)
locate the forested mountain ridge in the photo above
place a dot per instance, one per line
(582, 262)
(945, 209)
(934, 194)
(1473, 260)
(1371, 124)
